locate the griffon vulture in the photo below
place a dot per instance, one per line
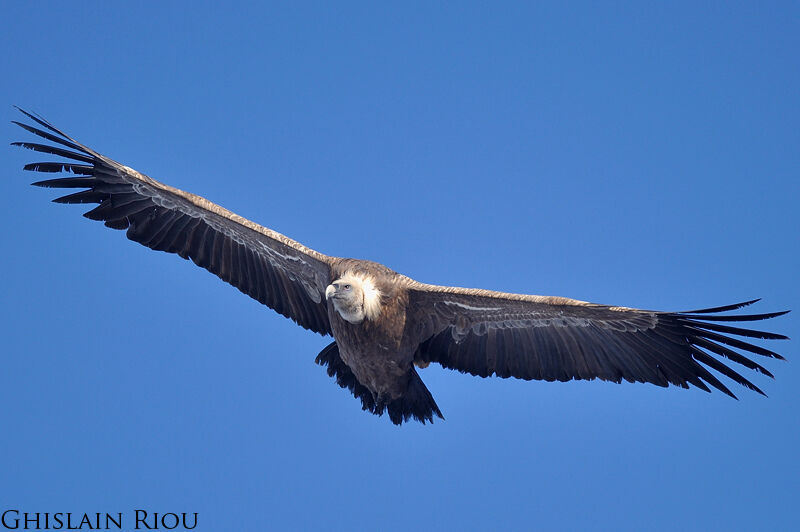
(385, 324)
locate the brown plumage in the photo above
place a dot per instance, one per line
(385, 325)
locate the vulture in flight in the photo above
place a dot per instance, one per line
(386, 325)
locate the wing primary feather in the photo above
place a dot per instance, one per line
(54, 150)
(742, 317)
(50, 137)
(53, 167)
(750, 333)
(707, 376)
(85, 196)
(730, 354)
(67, 182)
(733, 342)
(713, 363)
(42, 122)
(725, 308)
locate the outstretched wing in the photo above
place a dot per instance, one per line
(552, 338)
(269, 267)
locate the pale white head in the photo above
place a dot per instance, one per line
(354, 297)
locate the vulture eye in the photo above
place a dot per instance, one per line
(347, 287)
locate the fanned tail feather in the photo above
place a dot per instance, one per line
(417, 403)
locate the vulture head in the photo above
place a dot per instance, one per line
(354, 297)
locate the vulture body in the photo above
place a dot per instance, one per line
(385, 324)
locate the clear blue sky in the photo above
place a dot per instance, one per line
(636, 155)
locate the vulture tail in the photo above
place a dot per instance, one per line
(417, 403)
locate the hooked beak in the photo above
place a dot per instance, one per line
(330, 292)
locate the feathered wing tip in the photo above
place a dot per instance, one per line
(710, 314)
(704, 334)
(82, 163)
(54, 135)
(724, 308)
(417, 403)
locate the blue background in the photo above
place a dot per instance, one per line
(628, 153)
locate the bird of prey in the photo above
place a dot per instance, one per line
(386, 325)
